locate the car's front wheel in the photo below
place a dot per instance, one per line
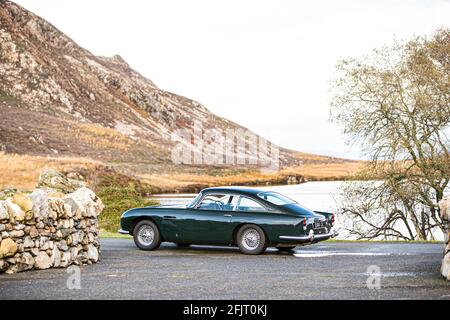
(146, 235)
(251, 239)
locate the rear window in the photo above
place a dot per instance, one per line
(275, 198)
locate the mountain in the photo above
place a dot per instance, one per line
(59, 99)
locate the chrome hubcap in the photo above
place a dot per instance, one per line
(146, 234)
(251, 239)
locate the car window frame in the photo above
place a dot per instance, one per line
(199, 202)
(266, 209)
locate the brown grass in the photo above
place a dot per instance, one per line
(169, 182)
(101, 137)
(22, 171)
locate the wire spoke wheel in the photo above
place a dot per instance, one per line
(251, 239)
(146, 235)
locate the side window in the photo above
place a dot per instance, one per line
(221, 202)
(247, 204)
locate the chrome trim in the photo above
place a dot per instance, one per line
(311, 236)
(122, 231)
(296, 238)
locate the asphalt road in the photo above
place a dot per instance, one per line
(321, 271)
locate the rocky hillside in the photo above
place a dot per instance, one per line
(57, 98)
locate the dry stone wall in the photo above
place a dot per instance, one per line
(444, 206)
(52, 227)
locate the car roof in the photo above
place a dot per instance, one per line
(236, 189)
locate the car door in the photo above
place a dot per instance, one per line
(248, 210)
(209, 222)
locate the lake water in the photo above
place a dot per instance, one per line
(318, 196)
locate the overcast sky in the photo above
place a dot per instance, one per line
(263, 64)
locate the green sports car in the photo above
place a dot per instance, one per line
(249, 218)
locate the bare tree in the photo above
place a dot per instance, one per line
(395, 103)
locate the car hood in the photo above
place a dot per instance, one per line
(164, 206)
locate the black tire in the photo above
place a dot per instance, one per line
(285, 249)
(251, 239)
(151, 233)
(183, 245)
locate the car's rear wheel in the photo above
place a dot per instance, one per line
(183, 245)
(251, 239)
(146, 235)
(285, 249)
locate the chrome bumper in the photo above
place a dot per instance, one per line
(122, 231)
(311, 237)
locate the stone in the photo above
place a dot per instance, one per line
(65, 259)
(35, 251)
(14, 211)
(44, 243)
(16, 233)
(11, 260)
(73, 253)
(68, 210)
(92, 253)
(39, 199)
(49, 227)
(81, 224)
(25, 203)
(42, 261)
(33, 232)
(7, 193)
(63, 246)
(25, 262)
(52, 179)
(56, 257)
(12, 269)
(40, 225)
(20, 247)
(66, 232)
(28, 242)
(3, 211)
(19, 227)
(3, 265)
(77, 237)
(7, 248)
(86, 198)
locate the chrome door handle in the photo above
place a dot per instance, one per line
(169, 218)
(227, 215)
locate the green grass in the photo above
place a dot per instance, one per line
(117, 198)
(113, 235)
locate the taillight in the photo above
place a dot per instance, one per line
(332, 218)
(304, 222)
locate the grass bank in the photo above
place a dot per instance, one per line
(119, 195)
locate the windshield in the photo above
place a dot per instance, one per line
(275, 198)
(191, 204)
